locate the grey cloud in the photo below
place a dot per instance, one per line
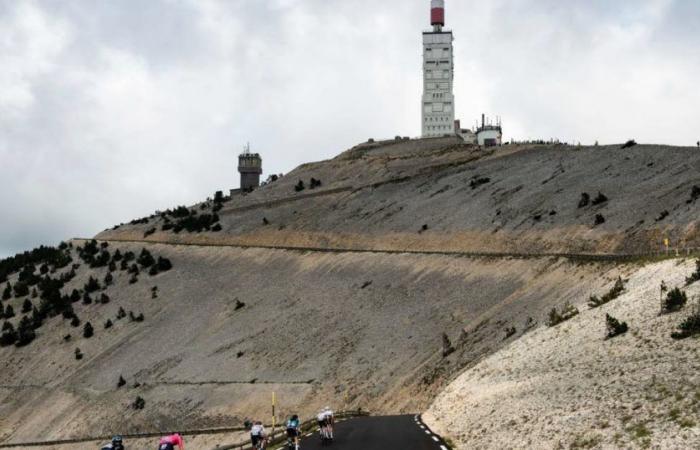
(111, 110)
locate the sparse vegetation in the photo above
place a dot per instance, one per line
(675, 300)
(88, 331)
(108, 324)
(614, 327)
(599, 219)
(694, 194)
(299, 186)
(314, 183)
(478, 181)
(629, 144)
(599, 199)
(121, 382)
(695, 276)
(556, 317)
(662, 215)
(585, 200)
(78, 354)
(139, 403)
(690, 326)
(447, 347)
(617, 290)
(510, 332)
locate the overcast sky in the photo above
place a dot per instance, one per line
(110, 110)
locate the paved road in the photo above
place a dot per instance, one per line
(377, 433)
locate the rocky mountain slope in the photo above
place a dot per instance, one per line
(569, 387)
(341, 294)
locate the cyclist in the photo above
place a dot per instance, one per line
(330, 420)
(169, 442)
(257, 435)
(116, 444)
(294, 430)
(322, 424)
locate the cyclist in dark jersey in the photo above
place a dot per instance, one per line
(116, 444)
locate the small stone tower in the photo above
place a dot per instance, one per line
(250, 168)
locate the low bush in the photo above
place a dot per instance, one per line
(599, 219)
(134, 279)
(510, 332)
(447, 347)
(149, 232)
(145, 258)
(27, 306)
(78, 354)
(108, 324)
(614, 327)
(299, 186)
(694, 194)
(9, 335)
(689, 327)
(585, 200)
(9, 312)
(314, 183)
(135, 318)
(675, 300)
(121, 313)
(109, 279)
(121, 382)
(662, 215)
(478, 181)
(139, 403)
(87, 300)
(617, 290)
(629, 144)
(104, 298)
(556, 317)
(695, 276)
(21, 289)
(599, 199)
(25, 332)
(75, 321)
(88, 331)
(92, 285)
(216, 227)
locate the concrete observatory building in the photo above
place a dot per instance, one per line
(250, 168)
(438, 112)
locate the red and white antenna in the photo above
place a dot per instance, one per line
(437, 13)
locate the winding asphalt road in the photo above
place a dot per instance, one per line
(378, 433)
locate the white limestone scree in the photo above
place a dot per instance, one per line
(438, 112)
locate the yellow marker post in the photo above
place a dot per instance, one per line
(273, 410)
(667, 243)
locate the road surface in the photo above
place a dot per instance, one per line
(378, 433)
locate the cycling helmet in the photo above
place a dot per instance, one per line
(117, 439)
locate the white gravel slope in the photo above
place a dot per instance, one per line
(567, 387)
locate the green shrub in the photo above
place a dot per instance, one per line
(75, 322)
(675, 300)
(694, 194)
(21, 290)
(629, 144)
(108, 324)
(9, 312)
(695, 276)
(690, 326)
(599, 219)
(617, 290)
(614, 327)
(599, 199)
(104, 298)
(7, 293)
(121, 313)
(88, 331)
(78, 354)
(87, 300)
(9, 335)
(555, 317)
(27, 306)
(121, 382)
(139, 403)
(146, 259)
(25, 332)
(585, 200)
(92, 285)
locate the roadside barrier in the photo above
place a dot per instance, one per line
(280, 436)
(156, 434)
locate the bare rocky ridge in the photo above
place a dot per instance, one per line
(519, 199)
(347, 328)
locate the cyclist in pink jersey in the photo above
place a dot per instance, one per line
(169, 442)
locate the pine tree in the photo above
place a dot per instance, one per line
(7, 293)
(26, 306)
(75, 322)
(9, 335)
(87, 330)
(9, 312)
(25, 332)
(109, 279)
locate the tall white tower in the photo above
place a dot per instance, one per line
(438, 109)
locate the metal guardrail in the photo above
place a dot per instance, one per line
(276, 439)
